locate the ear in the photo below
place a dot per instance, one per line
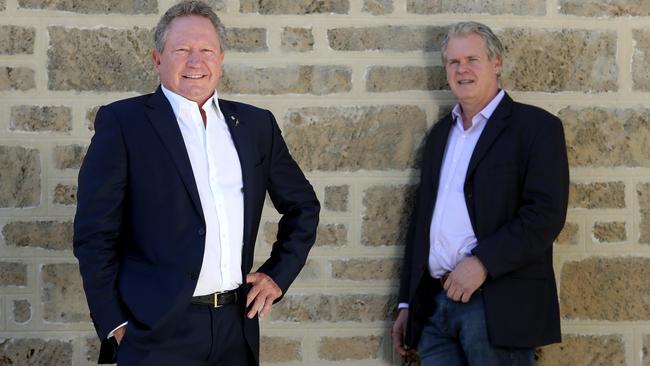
(156, 58)
(497, 65)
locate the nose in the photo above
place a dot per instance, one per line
(462, 67)
(194, 58)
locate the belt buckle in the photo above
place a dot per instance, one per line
(216, 300)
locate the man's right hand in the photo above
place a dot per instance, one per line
(399, 331)
(119, 334)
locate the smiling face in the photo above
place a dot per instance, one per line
(471, 75)
(190, 63)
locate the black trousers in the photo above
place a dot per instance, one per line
(206, 337)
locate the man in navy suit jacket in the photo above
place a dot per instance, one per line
(477, 286)
(170, 197)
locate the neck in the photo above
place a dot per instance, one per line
(469, 108)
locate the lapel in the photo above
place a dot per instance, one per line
(242, 136)
(161, 117)
(497, 122)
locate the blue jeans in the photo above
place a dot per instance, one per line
(456, 335)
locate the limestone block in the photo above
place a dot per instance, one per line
(63, 295)
(584, 350)
(51, 235)
(643, 195)
(386, 38)
(22, 311)
(516, 7)
(310, 272)
(387, 214)
(568, 235)
(297, 7)
(65, 194)
(318, 80)
(604, 8)
(349, 348)
(101, 59)
(336, 198)
(559, 60)
(327, 235)
(597, 195)
(91, 113)
(16, 40)
(355, 138)
(334, 308)
(280, 349)
(94, 6)
(612, 289)
(69, 156)
(17, 78)
(246, 39)
(641, 58)
(13, 274)
(366, 269)
(37, 118)
(20, 177)
(610, 232)
(396, 78)
(607, 137)
(92, 349)
(35, 352)
(297, 39)
(378, 7)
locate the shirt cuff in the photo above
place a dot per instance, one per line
(403, 305)
(112, 332)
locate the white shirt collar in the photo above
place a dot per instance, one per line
(486, 112)
(178, 101)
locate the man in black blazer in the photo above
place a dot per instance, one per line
(170, 197)
(477, 286)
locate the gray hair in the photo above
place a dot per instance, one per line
(492, 42)
(184, 9)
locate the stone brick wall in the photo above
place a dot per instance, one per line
(354, 84)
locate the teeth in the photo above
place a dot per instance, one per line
(194, 76)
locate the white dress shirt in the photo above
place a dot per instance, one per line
(218, 177)
(452, 236)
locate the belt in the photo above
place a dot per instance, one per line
(217, 299)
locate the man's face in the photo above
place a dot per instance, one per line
(190, 63)
(471, 75)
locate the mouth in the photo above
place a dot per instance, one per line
(194, 76)
(465, 82)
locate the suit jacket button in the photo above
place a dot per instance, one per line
(201, 231)
(193, 276)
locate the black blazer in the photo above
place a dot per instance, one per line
(139, 230)
(516, 191)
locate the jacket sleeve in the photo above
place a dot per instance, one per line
(98, 222)
(294, 198)
(542, 212)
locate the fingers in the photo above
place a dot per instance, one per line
(263, 292)
(119, 334)
(398, 331)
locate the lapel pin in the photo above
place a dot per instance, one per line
(234, 119)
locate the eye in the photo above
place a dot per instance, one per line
(181, 50)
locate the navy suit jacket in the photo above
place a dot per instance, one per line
(139, 230)
(516, 191)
